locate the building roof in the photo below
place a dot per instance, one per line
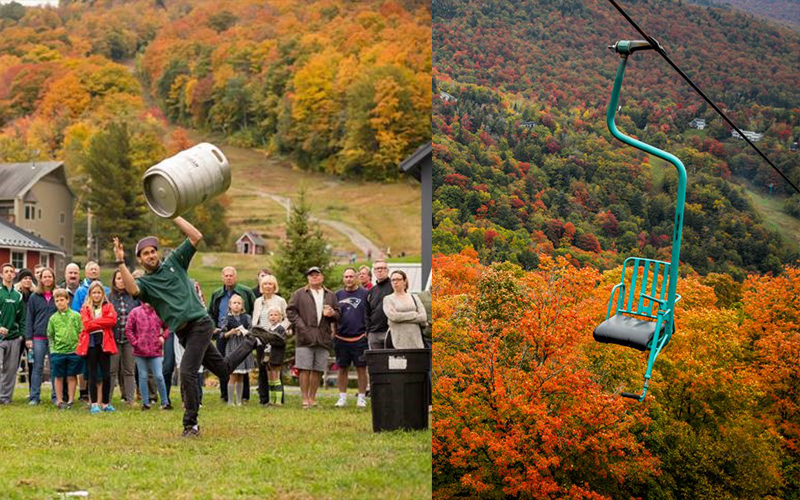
(14, 237)
(413, 164)
(19, 178)
(255, 238)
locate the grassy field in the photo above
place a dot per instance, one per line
(771, 208)
(246, 452)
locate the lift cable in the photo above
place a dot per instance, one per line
(658, 48)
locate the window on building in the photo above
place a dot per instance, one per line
(40, 213)
(18, 259)
(61, 242)
(63, 218)
(28, 214)
(44, 259)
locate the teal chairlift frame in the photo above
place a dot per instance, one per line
(648, 287)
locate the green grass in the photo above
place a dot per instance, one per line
(244, 452)
(771, 209)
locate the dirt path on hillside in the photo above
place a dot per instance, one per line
(364, 244)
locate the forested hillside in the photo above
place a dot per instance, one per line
(784, 11)
(523, 161)
(342, 87)
(526, 404)
(330, 86)
(535, 206)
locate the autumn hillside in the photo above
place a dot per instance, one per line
(535, 207)
(524, 164)
(526, 404)
(782, 11)
(302, 94)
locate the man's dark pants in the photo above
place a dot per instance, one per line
(223, 383)
(196, 340)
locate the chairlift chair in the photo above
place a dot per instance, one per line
(644, 318)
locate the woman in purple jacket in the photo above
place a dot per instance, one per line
(147, 333)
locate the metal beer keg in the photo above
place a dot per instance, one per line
(189, 178)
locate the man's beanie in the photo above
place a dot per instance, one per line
(150, 241)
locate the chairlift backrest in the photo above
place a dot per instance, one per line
(641, 278)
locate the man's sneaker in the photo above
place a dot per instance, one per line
(167, 406)
(69, 405)
(109, 409)
(189, 432)
(342, 402)
(94, 410)
(361, 402)
(33, 402)
(145, 407)
(61, 406)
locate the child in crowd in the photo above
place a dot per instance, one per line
(147, 333)
(235, 325)
(274, 354)
(63, 330)
(97, 344)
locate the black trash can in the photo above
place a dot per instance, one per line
(399, 388)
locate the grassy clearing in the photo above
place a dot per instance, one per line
(771, 208)
(243, 453)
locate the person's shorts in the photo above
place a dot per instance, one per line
(276, 355)
(311, 358)
(65, 365)
(350, 353)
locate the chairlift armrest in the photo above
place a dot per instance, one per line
(611, 298)
(662, 302)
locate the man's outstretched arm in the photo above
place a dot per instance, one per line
(189, 230)
(127, 278)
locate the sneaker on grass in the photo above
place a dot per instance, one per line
(342, 401)
(190, 432)
(361, 402)
(94, 409)
(109, 409)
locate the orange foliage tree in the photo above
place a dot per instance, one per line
(516, 413)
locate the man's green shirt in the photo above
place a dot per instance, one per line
(170, 291)
(12, 312)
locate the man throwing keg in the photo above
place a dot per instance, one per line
(166, 286)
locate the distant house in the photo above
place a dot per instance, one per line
(527, 125)
(698, 123)
(753, 136)
(23, 249)
(36, 198)
(251, 243)
(793, 147)
(447, 97)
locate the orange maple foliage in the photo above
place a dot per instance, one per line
(515, 411)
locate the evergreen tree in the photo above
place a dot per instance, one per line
(115, 188)
(304, 247)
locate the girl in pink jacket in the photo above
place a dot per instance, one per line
(147, 333)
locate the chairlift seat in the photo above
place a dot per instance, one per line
(627, 331)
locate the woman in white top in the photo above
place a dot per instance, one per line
(270, 374)
(405, 314)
